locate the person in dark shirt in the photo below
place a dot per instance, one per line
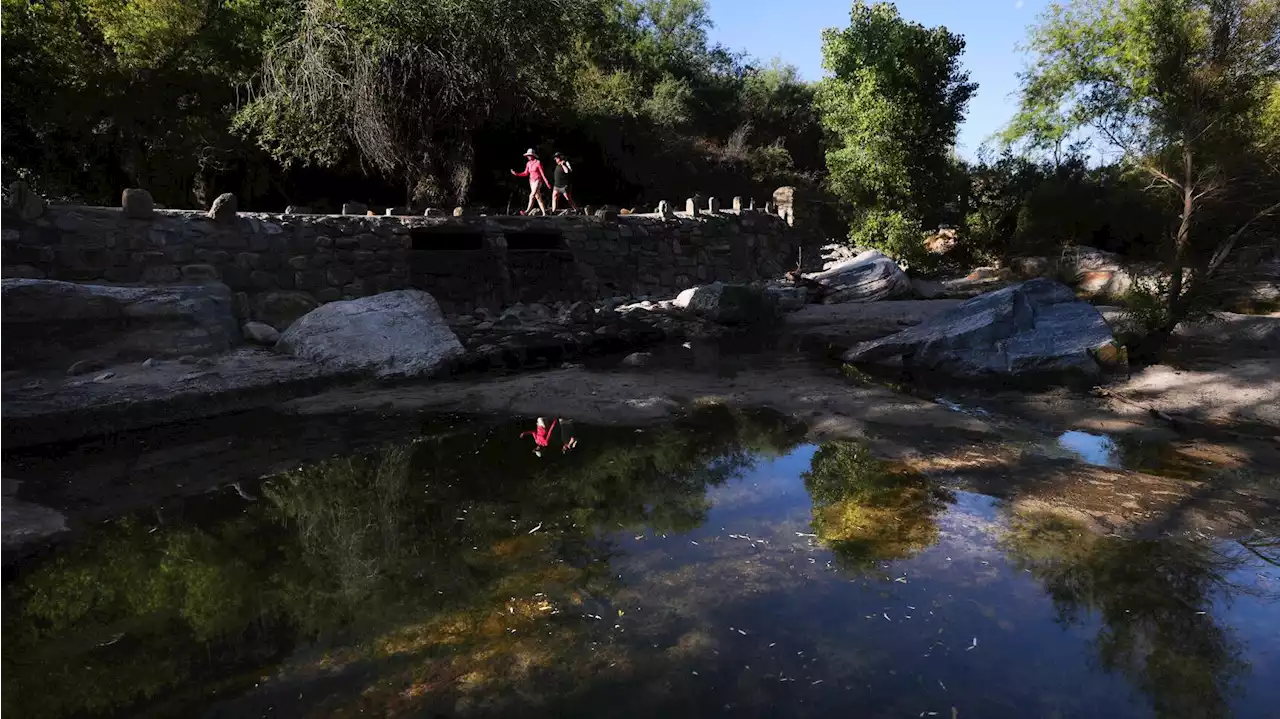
(560, 182)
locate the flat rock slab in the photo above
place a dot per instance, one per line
(52, 323)
(860, 321)
(55, 407)
(1241, 391)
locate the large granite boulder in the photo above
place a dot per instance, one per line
(394, 334)
(1037, 327)
(729, 304)
(869, 277)
(51, 323)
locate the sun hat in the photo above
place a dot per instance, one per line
(530, 153)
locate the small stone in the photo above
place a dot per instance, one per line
(637, 359)
(82, 367)
(297, 210)
(459, 212)
(137, 204)
(187, 359)
(199, 273)
(149, 362)
(484, 326)
(354, 208)
(224, 208)
(260, 333)
(104, 376)
(433, 212)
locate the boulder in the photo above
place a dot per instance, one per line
(280, 308)
(260, 333)
(137, 204)
(1098, 273)
(941, 242)
(868, 277)
(393, 334)
(1030, 267)
(224, 208)
(47, 322)
(1037, 327)
(729, 304)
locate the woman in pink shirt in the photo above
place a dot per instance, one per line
(537, 180)
(541, 435)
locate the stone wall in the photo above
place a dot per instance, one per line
(465, 262)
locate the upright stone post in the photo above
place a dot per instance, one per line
(737, 204)
(224, 208)
(664, 209)
(137, 204)
(784, 198)
(691, 207)
(713, 205)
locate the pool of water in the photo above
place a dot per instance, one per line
(717, 565)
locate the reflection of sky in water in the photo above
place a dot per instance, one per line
(1092, 448)
(957, 625)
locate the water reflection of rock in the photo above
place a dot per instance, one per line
(869, 510)
(1155, 599)
(458, 568)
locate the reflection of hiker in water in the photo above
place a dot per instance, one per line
(541, 435)
(566, 433)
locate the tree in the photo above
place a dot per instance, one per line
(1182, 89)
(868, 510)
(890, 109)
(409, 85)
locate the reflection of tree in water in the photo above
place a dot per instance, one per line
(868, 510)
(1155, 600)
(420, 545)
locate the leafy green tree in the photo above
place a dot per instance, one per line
(1154, 599)
(1183, 90)
(890, 107)
(868, 510)
(409, 85)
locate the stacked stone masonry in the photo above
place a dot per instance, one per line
(465, 262)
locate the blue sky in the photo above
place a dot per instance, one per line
(992, 30)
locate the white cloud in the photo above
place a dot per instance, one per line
(1018, 5)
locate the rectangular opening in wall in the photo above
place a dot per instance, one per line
(432, 240)
(535, 240)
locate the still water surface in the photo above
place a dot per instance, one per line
(715, 566)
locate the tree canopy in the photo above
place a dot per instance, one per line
(1184, 90)
(891, 107)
